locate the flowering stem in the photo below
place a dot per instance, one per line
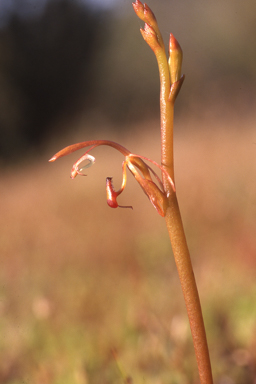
(182, 259)
(176, 231)
(166, 113)
(170, 83)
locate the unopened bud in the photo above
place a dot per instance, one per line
(175, 59)
(144, 12)
(149, 15)
(139, 9)
(150, 36)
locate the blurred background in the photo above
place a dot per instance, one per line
(89, 294)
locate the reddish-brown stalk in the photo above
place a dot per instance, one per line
(170, 83)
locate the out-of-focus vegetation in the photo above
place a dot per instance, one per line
(71, 58)
(85, 288)
(42, 65)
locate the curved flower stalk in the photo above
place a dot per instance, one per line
(161, 192)
(140, 170)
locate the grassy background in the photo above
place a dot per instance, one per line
(90, 294)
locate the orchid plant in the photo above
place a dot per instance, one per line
(160, 191)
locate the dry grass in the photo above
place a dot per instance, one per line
(85, 289)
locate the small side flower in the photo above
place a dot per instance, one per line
(136, 165)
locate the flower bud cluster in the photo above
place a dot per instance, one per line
(153, 37)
